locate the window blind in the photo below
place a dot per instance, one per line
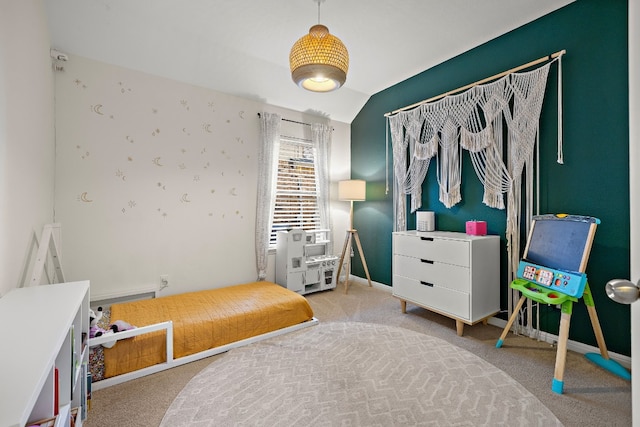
(296, 203)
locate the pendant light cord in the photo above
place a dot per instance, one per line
(319, 2)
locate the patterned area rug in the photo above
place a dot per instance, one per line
(354, 374)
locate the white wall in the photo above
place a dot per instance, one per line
(154, 177)
(26, 136)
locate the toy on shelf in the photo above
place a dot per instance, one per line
(552, 271)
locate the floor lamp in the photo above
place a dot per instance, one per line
(352, 190)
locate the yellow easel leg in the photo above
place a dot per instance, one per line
(561, 354)
(601, 359)
(595, 323)
(510, 322)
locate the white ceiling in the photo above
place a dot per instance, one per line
(241, 47)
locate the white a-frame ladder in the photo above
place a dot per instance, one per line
(48, 248)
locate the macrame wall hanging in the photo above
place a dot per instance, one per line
(476, 118)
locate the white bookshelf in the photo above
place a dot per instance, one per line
(43, 330)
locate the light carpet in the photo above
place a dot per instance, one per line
(354, 374)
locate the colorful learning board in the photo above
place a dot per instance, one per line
(556, 255)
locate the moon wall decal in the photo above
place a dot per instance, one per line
(83, 198)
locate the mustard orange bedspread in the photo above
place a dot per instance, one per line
(202, 320)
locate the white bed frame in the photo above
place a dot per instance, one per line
(171, 362)
(48, 252)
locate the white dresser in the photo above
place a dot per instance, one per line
(454, 274)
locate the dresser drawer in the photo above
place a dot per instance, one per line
(448, 251)
(435, 297)
(442, 275)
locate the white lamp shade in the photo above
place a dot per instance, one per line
(352, 190)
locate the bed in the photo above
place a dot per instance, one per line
(178, 329)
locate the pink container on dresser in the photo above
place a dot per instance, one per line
(476, 228)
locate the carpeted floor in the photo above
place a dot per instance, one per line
(593, 397)
(358, 374)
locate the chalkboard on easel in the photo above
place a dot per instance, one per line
(562, 242)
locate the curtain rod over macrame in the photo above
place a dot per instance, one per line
(479, 82)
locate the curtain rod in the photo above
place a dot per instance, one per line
(291, 121)
(485, 80)
(294, 121)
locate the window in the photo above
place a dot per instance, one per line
(296, 199)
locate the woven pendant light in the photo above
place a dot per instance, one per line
(319, 61)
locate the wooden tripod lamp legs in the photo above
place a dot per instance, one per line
(348, 241)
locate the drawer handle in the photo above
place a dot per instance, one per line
(428, 239)
(426, 261)
(426, 283)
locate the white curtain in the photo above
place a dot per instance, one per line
(321, 137)
(267, 175)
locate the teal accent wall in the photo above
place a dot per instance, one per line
(593, 181)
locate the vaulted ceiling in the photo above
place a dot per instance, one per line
(241, 47)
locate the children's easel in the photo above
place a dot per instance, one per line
(552, 271)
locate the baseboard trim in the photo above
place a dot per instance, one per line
(547, 337)
(363, 281)
(576, 346)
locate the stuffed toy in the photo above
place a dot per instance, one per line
(95, 330)
(121, 326)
